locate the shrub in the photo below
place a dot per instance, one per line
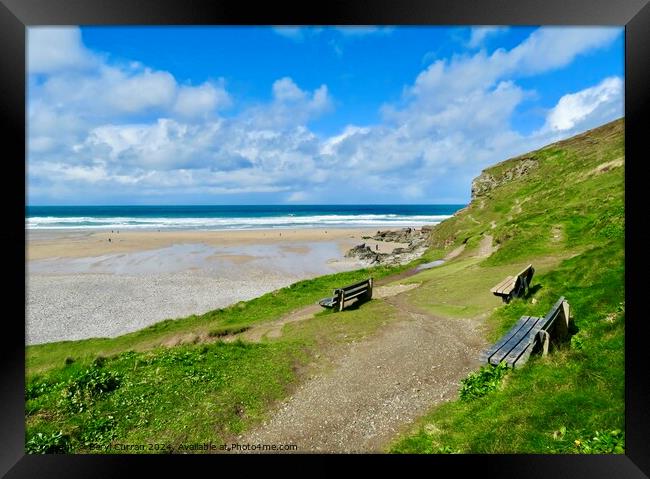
(86, 386)
(99, 361)
(577, 342)
(98, 431)
(481, 382)
(446, 450)
(53, 443)
(37, 388)
(602, 443)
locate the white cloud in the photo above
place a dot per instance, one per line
(164, 145)
(149, 89)
(291, 32)
(201, 100)
(549, 48)
(479, 34)
(331, 144)
(52, 49)
(297, 196)
(546, 49)
(362, 31)
(285, 89)
(69, 108)
(291, 107)
(592, 105)
(301, 32)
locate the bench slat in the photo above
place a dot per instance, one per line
(554, 310)
(511, 339)
(328, 302)
(356, 289)
(516, 346)
(355, 295)
(365, 282)
(521, 335)
(507, 288)
(487, 354)
(496, 289)
(514, 283)
(526, 271)
(519, 356)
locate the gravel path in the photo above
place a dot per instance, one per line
(377, 386)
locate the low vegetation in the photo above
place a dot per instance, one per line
(481, 382)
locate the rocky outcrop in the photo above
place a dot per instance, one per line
(405, 235)
(366, 254)
(414, 241)
(488, 179)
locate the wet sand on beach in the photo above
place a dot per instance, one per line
(79, 285)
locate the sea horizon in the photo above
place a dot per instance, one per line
(235, 217)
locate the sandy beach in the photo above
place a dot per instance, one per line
(81, 285)
(77, 243)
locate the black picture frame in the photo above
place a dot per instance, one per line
(17, 15)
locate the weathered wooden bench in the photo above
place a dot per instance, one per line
(530, 334)
(361, 291)
(514, 286)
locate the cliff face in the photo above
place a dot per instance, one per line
(576, 181)
(497, 175)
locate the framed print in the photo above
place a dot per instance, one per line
(398, 230)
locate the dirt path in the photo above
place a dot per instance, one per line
(486, 247)
(455, 252)
(377, 386)
(273, 329)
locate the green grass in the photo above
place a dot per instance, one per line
(165, 396)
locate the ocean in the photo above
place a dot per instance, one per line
(240, 217)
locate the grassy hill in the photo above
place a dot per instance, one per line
(560, 208)
(566, 216)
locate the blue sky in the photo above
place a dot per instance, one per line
(237, 115)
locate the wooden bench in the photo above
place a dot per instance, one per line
(529, 335)
(514, 286)
(362, 291)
